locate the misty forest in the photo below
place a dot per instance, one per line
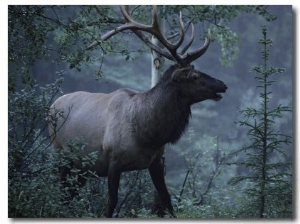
(235, 156)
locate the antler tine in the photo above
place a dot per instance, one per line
(155, 48)
(131, 23)
(154, 17)
(191, 40)
(153, 29)
(172, 48)
(182, 32)
(150, 29)
(199, 52)
(124, 10)
(128, 25)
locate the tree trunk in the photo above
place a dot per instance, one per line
(157, 62)
(157, 66)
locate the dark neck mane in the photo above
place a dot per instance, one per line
(161, 116)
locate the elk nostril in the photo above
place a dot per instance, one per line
(224, 86)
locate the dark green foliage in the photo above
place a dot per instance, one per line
(46, 39)
(31, 176)
(269, 176)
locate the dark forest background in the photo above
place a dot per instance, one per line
(47, 58)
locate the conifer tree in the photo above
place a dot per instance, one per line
(269, 178)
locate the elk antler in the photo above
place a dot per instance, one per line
(199, 52)
(154, 29)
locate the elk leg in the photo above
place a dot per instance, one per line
(156, 170)
(114, 174)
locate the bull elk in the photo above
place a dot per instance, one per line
(129, 129)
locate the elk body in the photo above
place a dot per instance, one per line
(128, 129)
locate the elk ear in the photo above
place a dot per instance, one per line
(181, 74)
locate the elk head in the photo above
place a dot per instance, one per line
(193, 85)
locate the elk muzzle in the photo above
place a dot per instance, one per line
(215, 88)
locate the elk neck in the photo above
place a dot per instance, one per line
(160, 115)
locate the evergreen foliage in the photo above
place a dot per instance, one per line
(44, 41)
(269, 179)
